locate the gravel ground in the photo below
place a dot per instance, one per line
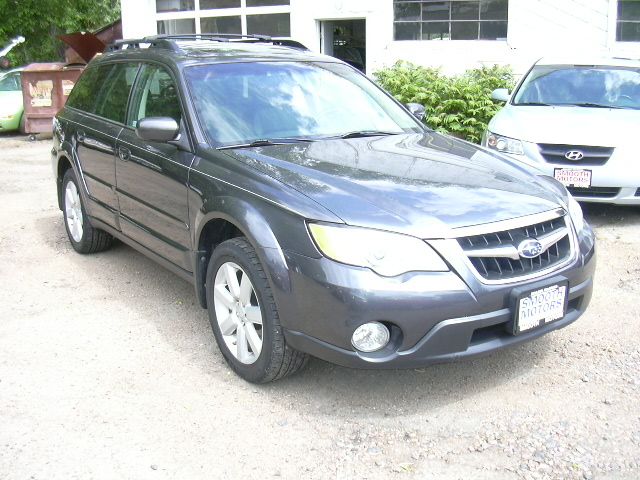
(109, 370)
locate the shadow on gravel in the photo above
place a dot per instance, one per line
(603, 215)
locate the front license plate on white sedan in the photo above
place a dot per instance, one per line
(539, 307)
(573, 177)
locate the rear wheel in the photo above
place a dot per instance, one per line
(83, 237)
(244, 316)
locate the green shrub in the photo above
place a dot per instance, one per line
(460, 105)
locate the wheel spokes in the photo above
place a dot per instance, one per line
(239, 321)
(254, 340)
(224, 296)
(246, 289)
(229, 325)
(241, 344)
(254, 315)
(232, 280)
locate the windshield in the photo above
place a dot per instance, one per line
(238, 103)
(612, 87)
(10, 83)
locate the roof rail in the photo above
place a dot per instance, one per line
(168, 42)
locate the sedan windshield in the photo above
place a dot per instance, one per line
(582, 86)
(241, 103)
(10, 83)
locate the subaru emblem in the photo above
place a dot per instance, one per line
(530, 248)
(574, 155)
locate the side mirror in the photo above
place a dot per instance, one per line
(500, 95)
(417, 110)
(158, 129)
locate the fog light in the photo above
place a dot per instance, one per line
(370, 337)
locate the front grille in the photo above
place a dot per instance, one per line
(594, 192)
(495, 255)
(555, 154)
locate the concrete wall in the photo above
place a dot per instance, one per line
(536, 28)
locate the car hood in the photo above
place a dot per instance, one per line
(421, 185)
(567, 125)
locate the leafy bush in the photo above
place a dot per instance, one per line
(459, 105)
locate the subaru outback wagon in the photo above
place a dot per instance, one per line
(313, 213)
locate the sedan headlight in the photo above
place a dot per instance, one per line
(575, 212)
(388, 254)
(504, 144)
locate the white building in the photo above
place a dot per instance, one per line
(453, 34)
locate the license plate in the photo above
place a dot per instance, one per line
(573, 177)
(539, 307)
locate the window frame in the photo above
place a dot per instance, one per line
(93, 113)
(619, 22)
(243, 11)
(450, 22)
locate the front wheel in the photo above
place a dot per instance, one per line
(244, 316)
(83, 237)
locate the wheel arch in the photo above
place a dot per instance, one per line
(63, 164)
(230, 218)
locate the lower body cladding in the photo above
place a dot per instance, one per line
(431, 317)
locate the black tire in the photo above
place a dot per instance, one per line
(22, 122)
(276, 359)
(93, 240)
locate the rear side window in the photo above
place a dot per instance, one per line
(104, 90)
(83, 95)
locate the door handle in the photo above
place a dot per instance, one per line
(124, 154)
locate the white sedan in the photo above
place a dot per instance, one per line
(577, 122)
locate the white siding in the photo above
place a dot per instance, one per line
(536, 28)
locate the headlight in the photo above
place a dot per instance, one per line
(504, 144)
(575, 212)
(388, 254)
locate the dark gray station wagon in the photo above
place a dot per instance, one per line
(313, 213)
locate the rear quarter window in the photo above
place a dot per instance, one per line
(104, 90)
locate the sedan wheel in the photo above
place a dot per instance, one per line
(238, 313)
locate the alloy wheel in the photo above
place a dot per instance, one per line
(238, 312)
(73, 211)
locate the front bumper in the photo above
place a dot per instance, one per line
(10, 124)
(616, 182)
(434, 317)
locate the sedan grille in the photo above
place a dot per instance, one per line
(495, 256)
(555, 154)
(594, 192)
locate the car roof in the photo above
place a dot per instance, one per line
(220, 52)
(590, 60)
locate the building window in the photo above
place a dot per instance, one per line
(231, 24)
(628, 21)
(174, 5)
(248, 17)
(450, 20)
(177, 27)
(266, 3)
(212, 4)
(273, 24)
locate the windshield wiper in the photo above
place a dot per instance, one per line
(592, 105)
(366, 133)
(266, 142)
(532, 104)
